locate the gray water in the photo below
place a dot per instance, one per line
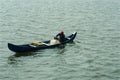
(94, 55)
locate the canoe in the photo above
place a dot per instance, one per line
(46, 45)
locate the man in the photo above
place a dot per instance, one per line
(60, 36)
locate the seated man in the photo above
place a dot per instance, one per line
(60, 36)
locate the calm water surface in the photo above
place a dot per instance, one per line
(95, 55)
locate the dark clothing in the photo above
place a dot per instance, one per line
(60, 37)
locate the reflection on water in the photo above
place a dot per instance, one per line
(12, 60)
(61, 51)
(25, 54)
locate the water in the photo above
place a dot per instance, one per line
(95, 55)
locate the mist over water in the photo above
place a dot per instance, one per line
(94, 55)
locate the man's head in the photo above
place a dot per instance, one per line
(62, 32)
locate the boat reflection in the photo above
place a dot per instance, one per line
(13, 58)
(19, 54)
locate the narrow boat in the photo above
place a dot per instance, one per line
(45, 45)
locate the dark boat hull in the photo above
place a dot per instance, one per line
(27, 47)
